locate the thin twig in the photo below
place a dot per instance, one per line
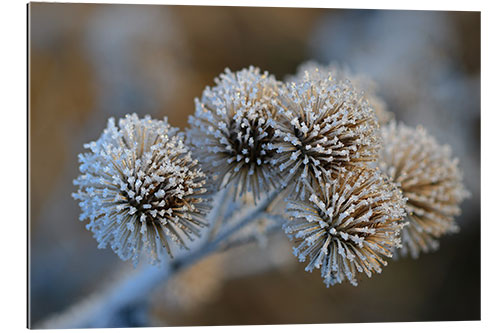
(218, 216)
(268, 231)
(101, 308)
(250, 238)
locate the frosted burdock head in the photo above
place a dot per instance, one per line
(347, 225)
(324, 127)
(140, 188)
(431, 180)
(232, 130)
(362, 83)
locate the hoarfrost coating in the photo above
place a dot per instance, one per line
(347, 225)
(308, 155)
(362, 83)
(324, 128)
(232, 130)
(430, 179)
(140, 188)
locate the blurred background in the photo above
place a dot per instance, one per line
(90, 62)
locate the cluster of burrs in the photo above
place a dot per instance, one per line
(359, 188)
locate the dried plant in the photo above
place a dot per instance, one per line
(324, 127)
(140, 187)
(347, 225)
(311, 144)
(362, 83)
(431, 180)
(232, 130)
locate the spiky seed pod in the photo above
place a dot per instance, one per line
(140, 188)
(232, 130)
(347, 225)
(362, 83)
(324, 127)
(431, 180)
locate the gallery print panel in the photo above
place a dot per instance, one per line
(205, 165)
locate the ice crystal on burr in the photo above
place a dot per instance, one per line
(431, 180)
(140, 188)
(347, 226)
(232, 130)
(324, 127)
(362, 83)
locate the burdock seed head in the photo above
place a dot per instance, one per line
(347, 226)
(232, 130)
(140, 188)
(365, 85)
(324, 127)
(429, 177)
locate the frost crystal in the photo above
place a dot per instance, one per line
(431, 180)
(140, 187)
(232, 130)
(324, 127)
(347, 225)
(362, 83)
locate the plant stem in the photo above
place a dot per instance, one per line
(102, 308)
(269, 230)
(218, 214)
